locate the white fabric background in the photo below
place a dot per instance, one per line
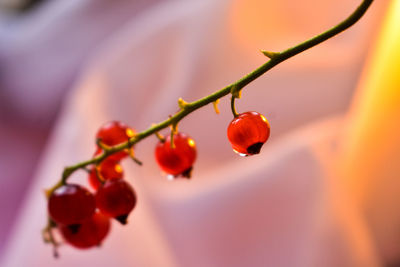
(276, 209)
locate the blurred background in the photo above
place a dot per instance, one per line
(322, 193)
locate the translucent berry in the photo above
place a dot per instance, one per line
(177, 160)
(90, 233)
(71, 204)
(116, 198)
(248, 132)
(108, 169)
(114, 133)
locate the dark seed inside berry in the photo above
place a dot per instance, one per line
(122, 219)
(254, 148)
(74, 228)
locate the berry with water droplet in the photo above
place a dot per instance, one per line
(248, 132)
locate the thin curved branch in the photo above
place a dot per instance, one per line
(186, 108)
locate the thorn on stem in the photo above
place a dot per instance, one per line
(182, 103)
(215, 104)
(132, 156)
(269, 54)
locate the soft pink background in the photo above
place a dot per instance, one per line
(69, 66)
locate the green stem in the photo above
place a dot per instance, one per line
(187, 108)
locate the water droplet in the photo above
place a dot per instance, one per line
(240, 154)
(170, 177)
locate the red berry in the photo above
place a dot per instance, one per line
(248, 132)
(114, 133)
(176, 160)
(71, 204)
(116, 198)
(90, 233)
(108, 169)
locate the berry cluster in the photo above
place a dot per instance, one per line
(83, 217)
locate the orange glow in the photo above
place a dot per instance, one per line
(273, 25)
(372, 149)
(253, 22)
(374, 138)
